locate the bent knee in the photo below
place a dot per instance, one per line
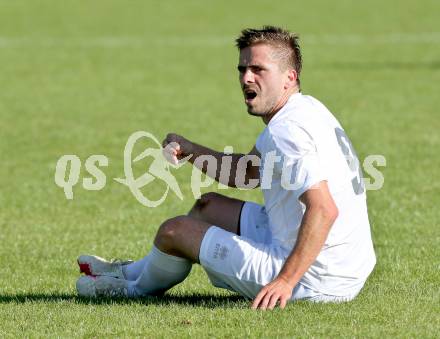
(205, 200)
(170, 229)
(209, 196)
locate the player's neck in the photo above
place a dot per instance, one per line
(283, 100)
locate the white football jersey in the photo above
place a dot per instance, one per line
(302, 145)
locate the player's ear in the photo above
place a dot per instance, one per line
(291, 78)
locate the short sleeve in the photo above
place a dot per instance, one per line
(300, 165)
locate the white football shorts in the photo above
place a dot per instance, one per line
(246, 263)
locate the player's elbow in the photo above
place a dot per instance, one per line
(327, 212)
(330, 212)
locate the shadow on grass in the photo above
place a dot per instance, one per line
(195, 300)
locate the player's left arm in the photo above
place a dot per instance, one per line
(319, 216)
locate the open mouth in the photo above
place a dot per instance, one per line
(249, 95)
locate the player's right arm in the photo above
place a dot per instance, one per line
(244, 167)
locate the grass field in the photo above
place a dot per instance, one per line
(78, 77)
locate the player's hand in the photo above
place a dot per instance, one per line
(176, 147)
(279, 290)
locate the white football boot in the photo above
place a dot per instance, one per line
(97, 266)
(101, 286)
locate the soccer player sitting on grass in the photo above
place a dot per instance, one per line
(311, 239)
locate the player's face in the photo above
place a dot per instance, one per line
(262, 81)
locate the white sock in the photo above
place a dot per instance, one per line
(133, 271)
(161, 272)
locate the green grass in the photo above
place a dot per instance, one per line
(78, 77)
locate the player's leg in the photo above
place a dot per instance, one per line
(169, 262)
(182, 236)
(184, 240)
(176, 248)
(230, 260)
(214, 209)
(179, 242)
(219, 210)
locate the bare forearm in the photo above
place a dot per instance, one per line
(321, 212)
(226, 166)
(313, 232)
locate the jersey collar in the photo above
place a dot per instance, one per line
(282, 112)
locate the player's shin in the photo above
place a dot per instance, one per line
(161, 272)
